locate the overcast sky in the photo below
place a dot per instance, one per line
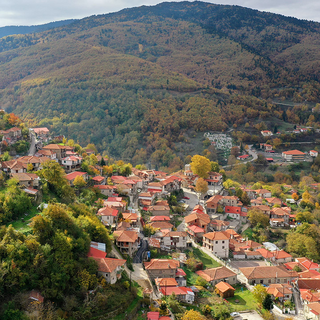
(32, 12)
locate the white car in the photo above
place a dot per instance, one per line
(235, 314)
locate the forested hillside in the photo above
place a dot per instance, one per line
(139, 81)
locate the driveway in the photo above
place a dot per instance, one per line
(32, 149)
(249, 315)
(139, 255)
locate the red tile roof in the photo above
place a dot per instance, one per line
(109, 264)
(164, 264)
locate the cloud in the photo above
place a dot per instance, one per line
(22, 12)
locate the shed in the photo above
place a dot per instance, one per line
(225, 290)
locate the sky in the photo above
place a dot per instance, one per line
(33, 12)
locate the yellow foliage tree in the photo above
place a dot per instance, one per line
(192, 315)
(79, 182)
(201, 186)
(200, 165)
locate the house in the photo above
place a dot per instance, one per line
(146, 198)
(264, 208)
(109, 216)
(159, 218)
(106, 190)
(212, 204)
(235, 212)
(159, 210)
(225, 290)
(266, 275)
(99, 180)
(308, 264)
(217, 242)
(274, 201)
(201, 220)
(266, 147)
(127, 241)
(71, 163)
(279, 217)
(110, 268)
(278, 257)
(13, 166)
(263, 193)
(195, 233)
(214, 179)
(161, 268)
(282, 291)
(46, 153)
(293, 155)
(162, 225)
(155, 187)
(243, 157)
(72, 176)
(216, 275)
(175, 239)
(266, 133)
(170, 184)
(132, 217)
(11, 136)
(58, 149)
(182, 294)
(165, 282)
(312, 311)
(219, 225)
(27, 179)
(313, 153)
(41, 133)
(181, 278)
(116, 203)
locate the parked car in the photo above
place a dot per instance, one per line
(186, 198)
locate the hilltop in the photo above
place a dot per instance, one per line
(139, 81)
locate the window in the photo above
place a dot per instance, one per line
(216, 242)
(222, 241)
(261, 281)
(222, 247)
(269, 281)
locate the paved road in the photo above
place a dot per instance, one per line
(251, 152)
(32, 149)
(139, 255)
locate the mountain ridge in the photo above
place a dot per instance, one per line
(139, 84)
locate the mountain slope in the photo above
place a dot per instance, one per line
(139, 81)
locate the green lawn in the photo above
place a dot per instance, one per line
(23, 225)
(245, 300)
(207, 261)
(191, 276)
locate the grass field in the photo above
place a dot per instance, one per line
(245, 300)
(23, 226)
(207, 261)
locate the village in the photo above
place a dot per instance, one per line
(173, 240)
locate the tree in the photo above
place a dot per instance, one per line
(201, 282)
(245, 199)
(267, 302)
(235, 151)
(79, 182)
(192, 315)
(256, 216)
(295, 196)
(304, 217)
(276, 143)
(200, 165)
(259, 293)
(201, 186)
(214, 166)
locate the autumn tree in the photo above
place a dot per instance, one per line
(79, 182)
(201, 186)
(259, 293)
(200, 165)
(256, 216)
(192, 315)
(215, 166)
